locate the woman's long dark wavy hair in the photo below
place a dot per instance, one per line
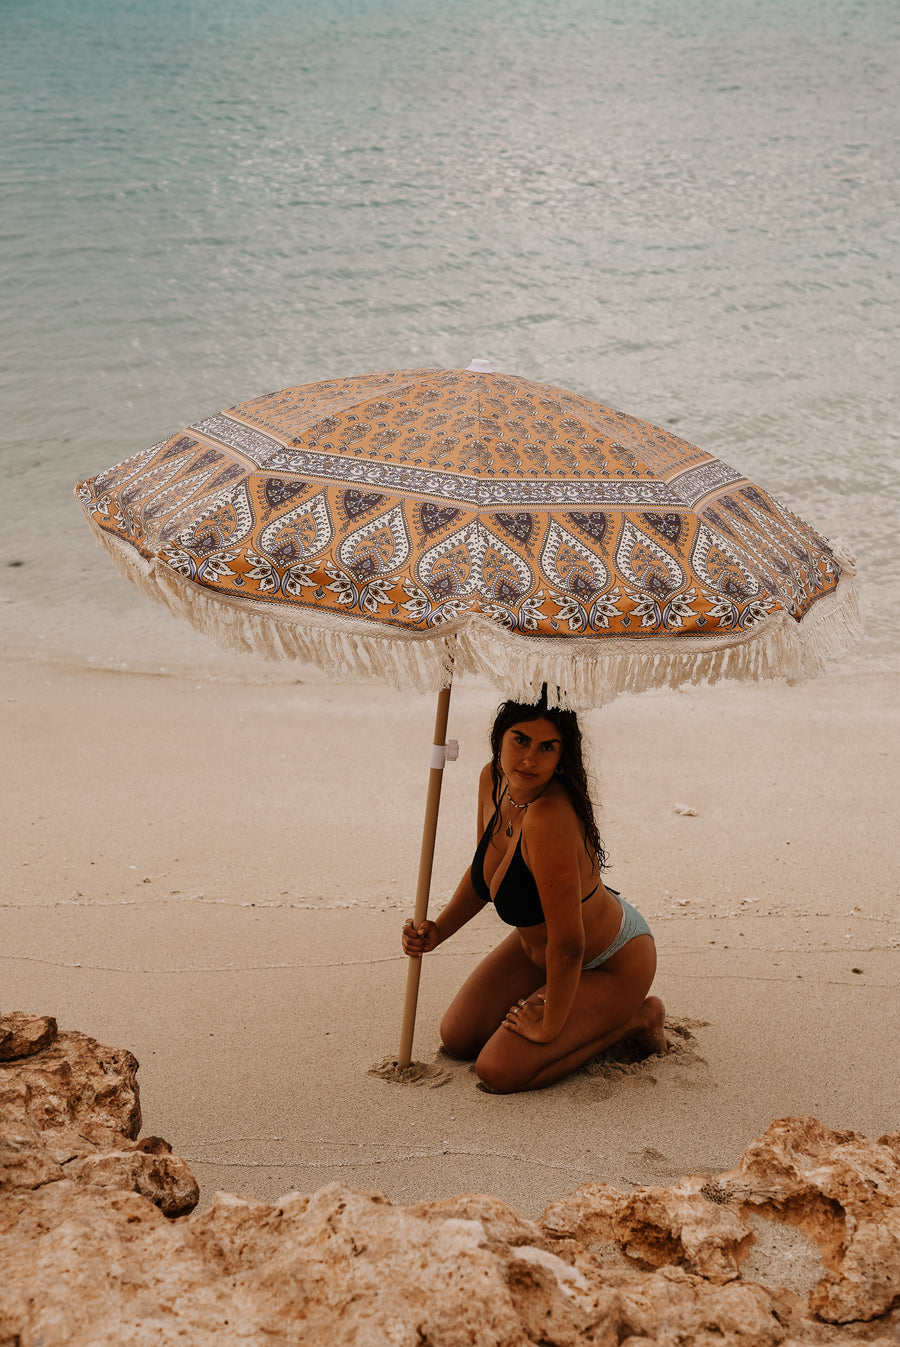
(571, 769)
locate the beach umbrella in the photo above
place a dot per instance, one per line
(410, 525)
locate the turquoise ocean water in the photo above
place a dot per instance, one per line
(687, 209)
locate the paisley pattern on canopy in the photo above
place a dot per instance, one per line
(467, 510)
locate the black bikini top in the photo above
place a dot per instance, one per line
(517, 900)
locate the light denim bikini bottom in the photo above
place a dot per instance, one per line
(632, 924)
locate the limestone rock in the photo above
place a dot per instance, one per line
(25, 1162)
(21, 1034)
(387, 1275)
(89, 1265)
(838, 1188)
(154, 1172)
(658, 1227)
(90, 1254)
(335, 1268)
(843, 1191)
(74, 1082)
(503, 1226)
(70, 1109)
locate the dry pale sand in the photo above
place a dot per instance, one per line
(214, 875)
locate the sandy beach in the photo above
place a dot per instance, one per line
(214, 875)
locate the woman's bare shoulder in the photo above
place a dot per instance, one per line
(552, 813)
(551, 842)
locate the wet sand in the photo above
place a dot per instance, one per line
(214, 875)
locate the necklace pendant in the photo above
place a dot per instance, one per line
(509, 828)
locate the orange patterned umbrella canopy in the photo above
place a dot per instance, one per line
(401, 525)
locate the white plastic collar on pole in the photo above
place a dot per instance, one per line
(480, 367)
(441, 753)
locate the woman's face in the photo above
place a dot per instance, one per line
(530, 752)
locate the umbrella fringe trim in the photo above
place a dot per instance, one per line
(581, 676)
(776, 648)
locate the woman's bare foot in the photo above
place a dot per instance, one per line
(649, 1030)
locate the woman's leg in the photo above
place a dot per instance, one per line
(611, 1004)
(478, 1009)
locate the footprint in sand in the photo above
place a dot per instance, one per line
(653, 1163)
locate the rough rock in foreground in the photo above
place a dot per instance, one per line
(799, 1243)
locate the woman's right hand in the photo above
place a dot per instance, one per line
(419, 940)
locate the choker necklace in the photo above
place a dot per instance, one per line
(523, 807)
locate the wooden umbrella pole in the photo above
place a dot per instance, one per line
(426, 861)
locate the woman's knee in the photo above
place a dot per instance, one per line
(458, 1038)
(499, 1070)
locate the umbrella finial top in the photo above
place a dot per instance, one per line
(481, 367)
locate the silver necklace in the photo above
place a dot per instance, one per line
(522, 807)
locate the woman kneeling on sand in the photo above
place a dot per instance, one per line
(572, 978)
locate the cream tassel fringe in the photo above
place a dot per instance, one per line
(579, 672)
